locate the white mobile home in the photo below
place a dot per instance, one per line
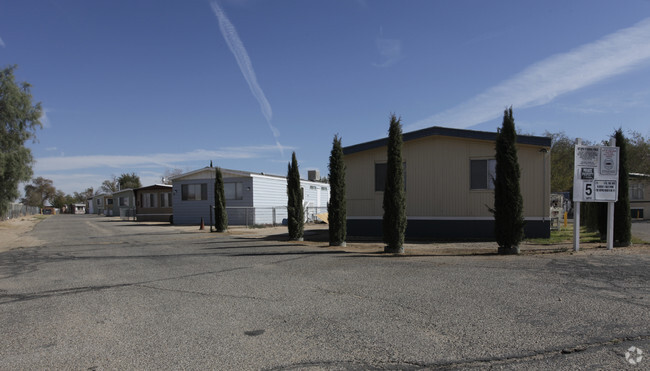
(251, 198)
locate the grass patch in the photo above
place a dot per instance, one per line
(565, 235)
(259, 226)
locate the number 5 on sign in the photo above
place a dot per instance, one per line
(589, 191)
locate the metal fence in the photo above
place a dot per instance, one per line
(261, 216)
(18, 210)
(127, 213)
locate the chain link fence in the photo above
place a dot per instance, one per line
(266, 216)
(19, 210)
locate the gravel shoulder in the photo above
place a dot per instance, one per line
(14, 233)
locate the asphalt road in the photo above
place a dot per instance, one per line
(102, 294)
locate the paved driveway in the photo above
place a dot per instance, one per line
(102, 294)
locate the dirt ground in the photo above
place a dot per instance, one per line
(14, 233)
(317, 235)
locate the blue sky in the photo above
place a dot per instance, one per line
(147, 86)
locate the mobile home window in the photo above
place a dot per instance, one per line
(380, 176)
(148, 200)
(194, 192)
(636, 191)
(166, 199)
(233, 191)
(482, 174)
(124, 201)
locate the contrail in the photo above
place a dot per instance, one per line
(244, 62)
(542, 82)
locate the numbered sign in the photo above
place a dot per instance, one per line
(596, 174)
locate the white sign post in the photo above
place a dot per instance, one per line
(595, 179)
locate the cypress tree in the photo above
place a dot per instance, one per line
(296, 215)
(589, 215)
(220, 215)
(336, 208)
(394, 220)
(508, 203)
(622, 217)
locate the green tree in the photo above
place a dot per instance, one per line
(61, 200)
(394, 204)
(19, 120)
(220, 214)
(126, 181)
(110, 185)
(296, 214)
(562, 157)
(508, 203)
(336, 207)
(39, 192)
(84, 196)
(638, 153)
(622, 216)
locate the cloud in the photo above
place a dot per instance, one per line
(390, 50)
(613, 102)
(559, 74)
(45, 120)
(169, 160)
(2, 43)
(246, 67)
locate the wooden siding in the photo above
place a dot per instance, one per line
(438, 179)
(158, 213)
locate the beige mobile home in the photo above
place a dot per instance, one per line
(449, 188)
(639, 195)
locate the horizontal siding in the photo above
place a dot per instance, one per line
(271, 193)
(269, 196)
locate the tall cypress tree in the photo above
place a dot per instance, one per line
(336, 208)
(622, 217)
(296, 214)
(508, 203)
(394, 220)
(220, 215)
